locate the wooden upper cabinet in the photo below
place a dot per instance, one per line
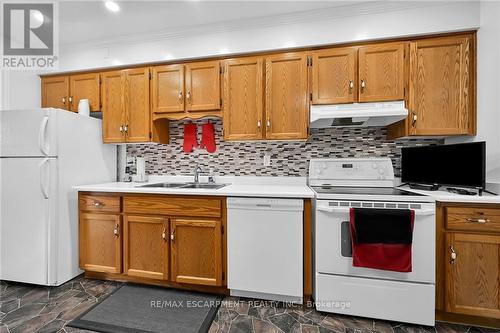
(100, 242)
(243, 99)
(286, 96)
(146, 247)
(85, 86)
(473, 278)
(168, 89)
(55, 92)
(113, 111)
(196, 246)
(381, 72)
(136, 101)
(334, 76)
(203, 86)
(441, 90)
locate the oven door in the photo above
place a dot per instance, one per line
(333, 242)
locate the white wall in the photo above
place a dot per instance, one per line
(488, 88)
(366, 21)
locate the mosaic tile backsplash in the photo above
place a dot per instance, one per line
(289, 158)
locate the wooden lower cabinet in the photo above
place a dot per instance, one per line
(100, 242)
(145, 246)
(196, 251)
(157, 239)
(468, 264)
(472, 278)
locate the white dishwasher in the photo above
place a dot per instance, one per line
(265, 257)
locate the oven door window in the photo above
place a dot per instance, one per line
(345, 240)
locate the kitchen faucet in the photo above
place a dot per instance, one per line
(197, 171)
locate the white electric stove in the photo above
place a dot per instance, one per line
(341, 288)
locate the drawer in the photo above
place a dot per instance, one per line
(473, 219)
(100, 203)
(173, 206)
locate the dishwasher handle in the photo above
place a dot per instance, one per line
(279, 204)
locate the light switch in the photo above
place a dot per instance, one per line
(267, 160)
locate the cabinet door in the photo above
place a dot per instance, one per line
(145, 247)
(137, 126)
(441, 90)
(55, 92)
(243, 102)
(203, 86)
(472, 278)
(100, 242)
(85, 86)
(286, 97)
(381, 72)
(168, 89)
(196, 251)
(113, 113)
(334, 76)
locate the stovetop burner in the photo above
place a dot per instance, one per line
(362, 190)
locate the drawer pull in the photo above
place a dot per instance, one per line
(477, 220)
(98, 203)
(164, 234)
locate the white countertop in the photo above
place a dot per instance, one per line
(274, 187)
(443, 195)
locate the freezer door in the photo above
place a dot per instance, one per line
(27, 190)
(28, 133)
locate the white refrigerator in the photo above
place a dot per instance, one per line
(43, 154)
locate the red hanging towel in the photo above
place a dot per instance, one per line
(190, 141)
(208, 137)
(382, 239)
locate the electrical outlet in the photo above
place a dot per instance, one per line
(267, 160)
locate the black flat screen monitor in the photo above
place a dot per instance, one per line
(461, 165)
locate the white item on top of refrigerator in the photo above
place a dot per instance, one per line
(43, 154)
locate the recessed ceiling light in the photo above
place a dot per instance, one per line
(112, 6)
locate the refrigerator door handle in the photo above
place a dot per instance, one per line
(44, 178)
(42, 136)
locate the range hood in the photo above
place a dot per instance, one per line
(358, 114)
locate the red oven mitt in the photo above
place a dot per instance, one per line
(208, 137)
(190, 141)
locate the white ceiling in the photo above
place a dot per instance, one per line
(85, 21)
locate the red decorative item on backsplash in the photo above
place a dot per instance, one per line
(208, 137)
(190, 141)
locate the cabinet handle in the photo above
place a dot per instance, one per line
(121, 128)
(164, 234)
(64, 100)
(116, 230)
(188, 96)
(453, 255)
(97, 203)
(477, 220)
(125, 129)
(413, 119)
(351, 86)
(259, 124)
(268, 124)
(172, 236)
(70, 99)
(363, 85)
(180, 96)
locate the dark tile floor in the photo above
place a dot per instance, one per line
(27, 308)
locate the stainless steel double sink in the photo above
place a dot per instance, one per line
(208, 186)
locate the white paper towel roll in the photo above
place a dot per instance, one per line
(141, 167)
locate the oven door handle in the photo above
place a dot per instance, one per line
(422, 212)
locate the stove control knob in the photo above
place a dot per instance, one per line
(319, 171)
(381, 171)
(374, 165)
(323, 165)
